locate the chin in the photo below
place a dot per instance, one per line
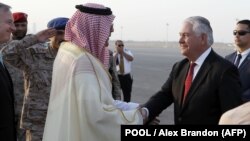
(184, 52)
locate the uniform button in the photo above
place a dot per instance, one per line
(179, 119)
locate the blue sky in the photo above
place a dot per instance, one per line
(143, 20)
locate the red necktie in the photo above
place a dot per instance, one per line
(188, 80)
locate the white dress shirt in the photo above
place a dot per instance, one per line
(127, 64)
(243, 55)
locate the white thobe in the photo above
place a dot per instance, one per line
(81, 107)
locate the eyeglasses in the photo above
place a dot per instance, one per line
(240, 32)
(120, 45)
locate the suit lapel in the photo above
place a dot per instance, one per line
(232, 57)
(201, 75)
(3, 71)
(181, 82)
(245, 63)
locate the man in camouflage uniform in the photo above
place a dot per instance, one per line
(20, 21)
(36, 62)
(7, 48)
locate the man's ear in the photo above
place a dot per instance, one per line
(203, 38)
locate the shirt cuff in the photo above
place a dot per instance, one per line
(146, 110)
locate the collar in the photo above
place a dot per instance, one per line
(244, 53)
(203, 56)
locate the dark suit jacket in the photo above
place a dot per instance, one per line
(244, 71)
(215, 89)
(7, 122)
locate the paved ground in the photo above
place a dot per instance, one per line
(151, 68)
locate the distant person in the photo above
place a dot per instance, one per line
(21, 24)
(116, 86)
(81, 107)
(124, 58)
(203, 85)
(36, 62)
(241, 57)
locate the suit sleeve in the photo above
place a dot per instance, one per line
(230, 89)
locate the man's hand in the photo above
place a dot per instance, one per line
(119, 49)
(44, 35)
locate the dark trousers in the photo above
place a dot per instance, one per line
(126, 82)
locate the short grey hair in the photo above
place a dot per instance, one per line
(201, 25)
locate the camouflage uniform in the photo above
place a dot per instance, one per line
(18, 84)
(18, 80)
(116, 87)
(36, 63)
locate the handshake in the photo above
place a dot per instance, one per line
(144, 111)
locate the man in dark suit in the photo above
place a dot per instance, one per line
(241, 57)
(7, 122)
(202, 86)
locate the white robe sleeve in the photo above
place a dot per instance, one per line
(98, 112)
(125, 105)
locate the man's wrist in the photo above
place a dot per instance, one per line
(144, 112)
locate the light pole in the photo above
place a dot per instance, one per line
(167, 35)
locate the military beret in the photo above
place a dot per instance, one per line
(58, 23)
(19, 17)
